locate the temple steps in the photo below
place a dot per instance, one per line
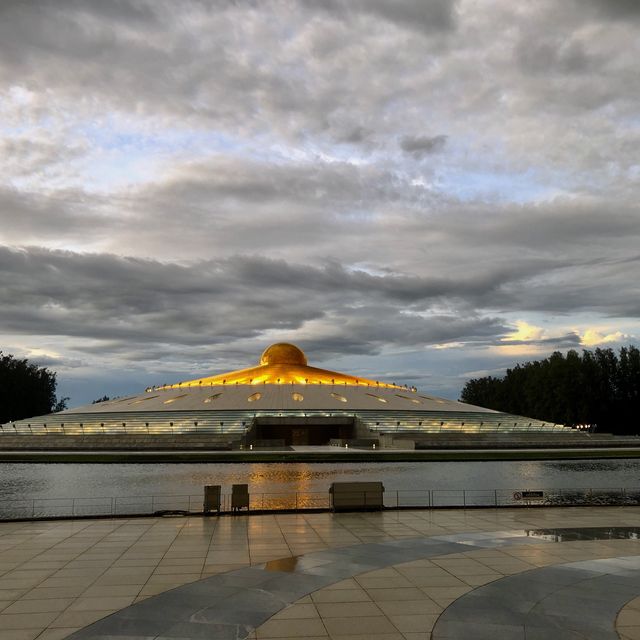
(116, 442)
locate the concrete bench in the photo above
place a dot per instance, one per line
(352, 496)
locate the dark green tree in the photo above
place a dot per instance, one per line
(26, 390)
(596, 388)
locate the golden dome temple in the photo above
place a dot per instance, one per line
(283, 401)
(281, 363)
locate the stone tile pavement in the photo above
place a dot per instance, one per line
(442, 595)
(628, 620)
(58, 577)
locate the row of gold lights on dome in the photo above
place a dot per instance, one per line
(298, 397)
(264, 381)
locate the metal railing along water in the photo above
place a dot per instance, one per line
(35, 508)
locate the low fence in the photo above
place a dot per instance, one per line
(34, 508)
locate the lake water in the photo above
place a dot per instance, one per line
(45, 481)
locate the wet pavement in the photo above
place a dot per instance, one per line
(414, 574)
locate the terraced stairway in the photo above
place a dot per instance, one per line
(514, 439)
(118, 442)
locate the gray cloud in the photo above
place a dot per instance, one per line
(616, 9)
(423, 145)
(26, 156)
(128, 300)
(191, 183)
(32, 217)
(436, 15)
(540, 56)
(55, 363)
(569, 340)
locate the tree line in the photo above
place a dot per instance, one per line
(596, 387)
(26, 390)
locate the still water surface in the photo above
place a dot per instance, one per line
(18, 481)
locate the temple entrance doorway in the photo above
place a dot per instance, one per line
(303, 431)
(299, 436)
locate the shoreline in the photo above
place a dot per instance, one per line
(434, 455)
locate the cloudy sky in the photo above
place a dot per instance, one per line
(417, 190)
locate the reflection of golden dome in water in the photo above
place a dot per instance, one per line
(283, 353)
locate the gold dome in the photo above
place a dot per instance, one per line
(281, 363)
(283, 353)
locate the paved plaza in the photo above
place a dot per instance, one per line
(525, 573)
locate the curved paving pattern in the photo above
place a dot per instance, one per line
(573, 601)
(403, 602)
(232, 605)
(628, 620)
(58, 577)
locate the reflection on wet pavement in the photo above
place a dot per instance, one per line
(586, 533)
(287, 565)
